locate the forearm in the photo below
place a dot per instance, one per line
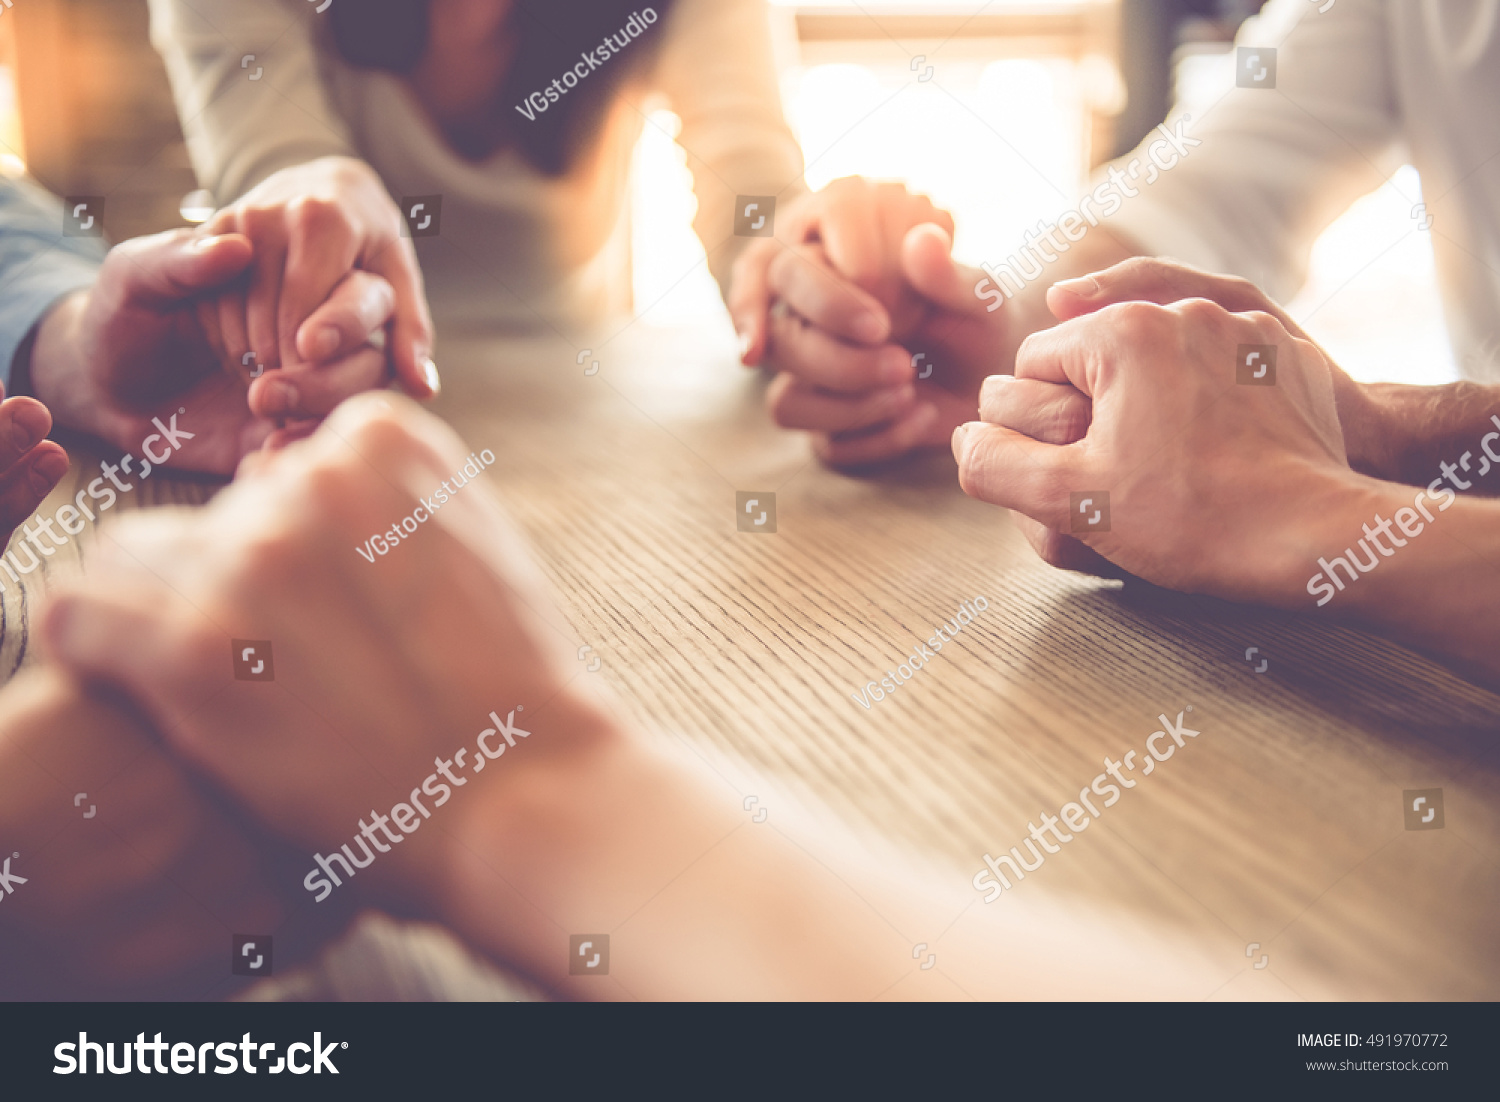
(53, 372)
(699, 901)
(241, 130)
(1437, 585)
(1405, 433)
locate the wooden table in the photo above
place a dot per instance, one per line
(1281, 824)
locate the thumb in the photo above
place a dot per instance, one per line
(927, 264)
(1014, 471)
(1162, 281)
(166, 268)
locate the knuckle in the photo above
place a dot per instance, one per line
(1137, 321)
(1201, 312)
(314, 214)
(380, 428)
(1267, 326)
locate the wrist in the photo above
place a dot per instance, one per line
(53, 373)
(1374, 435)
(517, 841)
(1362, 544)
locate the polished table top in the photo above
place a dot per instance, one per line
(1274, 843)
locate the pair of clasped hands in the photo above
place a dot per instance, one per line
(881, 344)
(253, 327)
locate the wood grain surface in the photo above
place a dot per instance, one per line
(1280, 824)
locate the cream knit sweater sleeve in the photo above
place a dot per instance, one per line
(248, 90)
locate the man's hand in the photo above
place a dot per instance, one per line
(274, 557)
(145, 341)
(1214, 487)
(30, 464)
(311, 226)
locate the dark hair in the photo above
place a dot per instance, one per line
(550, 38)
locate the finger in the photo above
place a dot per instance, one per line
(207, 313)
(818, 359)
(920, 210)
(1063, 551)
(914, 430)
(1075, 352)
(322, 248)
(848, 223)
(362, 303)
(28, 482)
(1162, 281)
(24, 423)
(165, 268)
(808, 283)
(306, 390)
(411, 330)
(234, 330)
(261, 303)
(927, 264)
(750, 299)
(794, 405)
(1053, 413)
(1016, 472)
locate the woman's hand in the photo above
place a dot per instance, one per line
(311, 226)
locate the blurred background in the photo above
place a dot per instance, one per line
(1025, 99)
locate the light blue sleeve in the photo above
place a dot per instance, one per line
(39, 264)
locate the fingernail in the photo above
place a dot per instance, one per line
(744, 342)
(327, 342)
(430, 375)
(869, 328)
(21, 436)
(1084, 286)
(957, 443)
(280, 396)
(203, 244)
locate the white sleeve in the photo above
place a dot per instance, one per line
(718, 71)
(242, 127)
(1275, 165)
